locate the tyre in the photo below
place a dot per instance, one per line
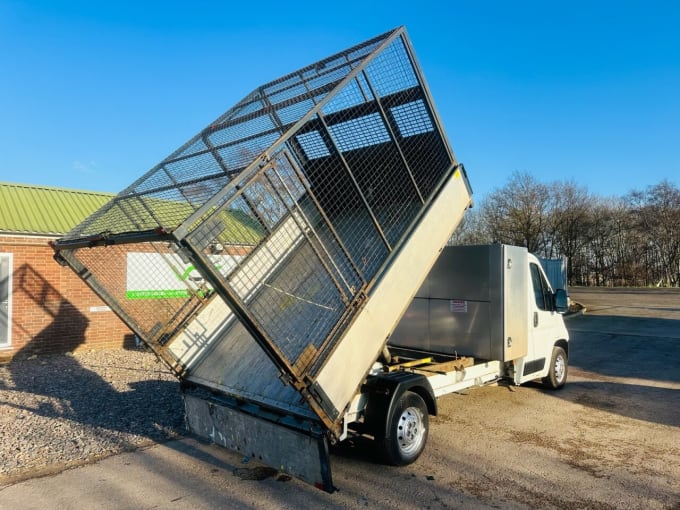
(407, 433)
(557, 372)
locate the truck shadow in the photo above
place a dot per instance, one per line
(60, 387)
(358, 448)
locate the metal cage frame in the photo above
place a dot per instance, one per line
(279, 218)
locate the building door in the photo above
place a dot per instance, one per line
(5, 294)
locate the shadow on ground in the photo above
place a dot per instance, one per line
(58, 386)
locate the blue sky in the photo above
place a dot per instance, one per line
(94, 94)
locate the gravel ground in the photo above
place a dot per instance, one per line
(61, 411)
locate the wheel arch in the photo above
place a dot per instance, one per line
(564, 344)
(383, 392)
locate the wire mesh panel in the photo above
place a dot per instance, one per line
(150, 285)
(297, 282)
(287, 208)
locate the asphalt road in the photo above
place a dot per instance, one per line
(609, 439)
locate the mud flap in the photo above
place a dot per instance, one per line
(296, 447)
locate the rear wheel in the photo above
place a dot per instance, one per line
(407, 433)
(557, 372)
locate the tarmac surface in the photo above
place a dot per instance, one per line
(609, 439)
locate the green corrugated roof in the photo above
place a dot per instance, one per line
(44, 210)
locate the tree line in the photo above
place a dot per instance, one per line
(633, 240)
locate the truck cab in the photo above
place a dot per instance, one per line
(548, 346)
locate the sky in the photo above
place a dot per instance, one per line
(94, 94)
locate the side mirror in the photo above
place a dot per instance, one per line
(561, 301)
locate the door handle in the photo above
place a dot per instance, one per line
(535, 319)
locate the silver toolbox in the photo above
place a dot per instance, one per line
(474, 302)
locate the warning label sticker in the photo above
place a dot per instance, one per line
(458, 305)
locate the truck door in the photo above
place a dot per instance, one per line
(544, 324)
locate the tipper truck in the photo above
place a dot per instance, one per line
(278, 264)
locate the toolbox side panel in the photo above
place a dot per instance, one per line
(471, 322)
(473, 303)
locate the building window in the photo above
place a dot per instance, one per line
(5, 300)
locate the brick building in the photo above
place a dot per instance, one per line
(44, 307)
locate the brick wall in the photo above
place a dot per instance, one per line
(53, 311)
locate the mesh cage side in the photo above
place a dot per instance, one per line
(296, 281)
(150, 285)
(404, 98)
(338, 198)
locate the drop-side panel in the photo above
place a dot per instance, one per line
(204, 329)
(236, 365)
(346, 367)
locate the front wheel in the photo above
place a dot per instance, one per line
(557, 372)
(407, 433)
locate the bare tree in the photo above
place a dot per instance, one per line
(657, 214)
(471, 230)
(518, 213)
(597, 251)
(570, 217)
(634, 240)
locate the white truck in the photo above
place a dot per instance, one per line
(270, 259)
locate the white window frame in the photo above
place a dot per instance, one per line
(8, 344)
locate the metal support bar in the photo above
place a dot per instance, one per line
(103, 239)
(232, 186)
(159, 189)
(363, 109)
(410, 364)
(176, 184)
(427, 96)
(221, 146)
(220, 161)
(311, 94)
(388, 125)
